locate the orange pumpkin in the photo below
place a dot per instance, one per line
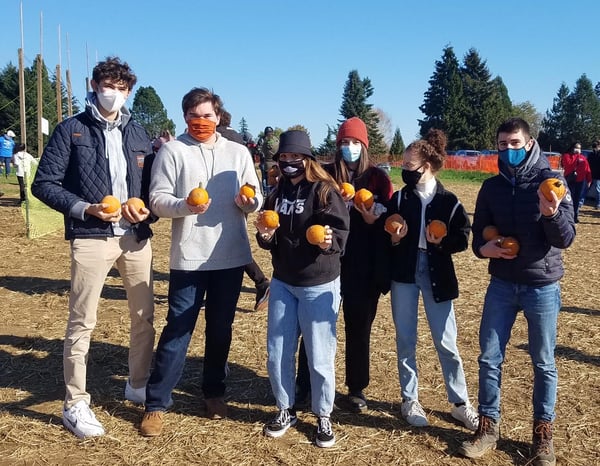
(112, 204)
(197, 196)
(136, 204)
(490, 232)
(269, 219)
(437, 229)
(315, 234)
(511, 244)
(248, 191)
(553, 184)
(347, 189)
(364, 197)
(394, 223)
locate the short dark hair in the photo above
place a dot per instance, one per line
(115, 70)
(199, 95)
(225, 118)
(512, 125)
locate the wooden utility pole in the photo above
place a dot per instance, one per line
(40, 107)
(69, 90)
(23, 135)
(58, 84)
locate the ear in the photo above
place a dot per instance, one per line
(529, 144)
(94, 85)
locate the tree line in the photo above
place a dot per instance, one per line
(463, 99)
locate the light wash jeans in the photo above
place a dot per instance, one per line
(311, 311)
(442, 325)
(596, 190)
(540, 306)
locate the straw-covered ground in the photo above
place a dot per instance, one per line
(34, 286)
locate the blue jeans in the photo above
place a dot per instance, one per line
(311, 311)
(596, 190)
(186, 294)
(442, 325)
(6, 162)
(540, 306)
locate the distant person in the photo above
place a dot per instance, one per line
(305, 289)
(22, 160)
(7, 145)
(578, 175)
(209, 249)
(253, 270)
(594, 163)
(98, 152)
(268, 144)
(421, 264)
(528, 280)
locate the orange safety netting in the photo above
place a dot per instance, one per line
(485, 164)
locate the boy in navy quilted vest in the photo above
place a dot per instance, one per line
(96, 153)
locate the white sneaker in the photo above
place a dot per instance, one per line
(80, 420)
(135, 395)
(413, 412)
(467, 415)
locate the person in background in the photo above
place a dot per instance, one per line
(98, 152)
(253, 270)
(22, 160)
(209, 249)
(527, 281)
(7, 144)
(305, 290)
(578, 175)
(361, 282)
(268, 144)
(594, 163)
(421, 264)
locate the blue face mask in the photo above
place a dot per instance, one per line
(513, 157)
(351, 152)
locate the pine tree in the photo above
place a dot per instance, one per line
(149, 111)
(583, 113)
(354, 104)
(328, 147)
(397, 146)
(554, 124)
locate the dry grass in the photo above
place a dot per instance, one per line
(34, 285)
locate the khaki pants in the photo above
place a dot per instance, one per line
(91, 260)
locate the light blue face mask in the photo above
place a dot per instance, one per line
(351, 153)
(513, 157)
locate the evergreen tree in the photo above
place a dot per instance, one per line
(354, 104)
(149, 111)
(529, 113)
(397, 147)
(9, 99)
(328, 147)
(583, 114)
(444, 104)
(554, 124)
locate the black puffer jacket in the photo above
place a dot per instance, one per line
(74, 168)
(446, 207)
(510, 202)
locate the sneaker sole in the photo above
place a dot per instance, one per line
(79, 434)
(327, 444)
(279, 433)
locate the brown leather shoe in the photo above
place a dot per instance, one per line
(216, 408)
(152, 423)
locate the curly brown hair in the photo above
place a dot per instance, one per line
(115, 70)
(432, 149)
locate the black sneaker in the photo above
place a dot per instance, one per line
(325, 436)
(357, 402)
(281, 423)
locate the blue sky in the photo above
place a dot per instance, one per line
(281, 63)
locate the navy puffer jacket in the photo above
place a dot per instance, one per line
(510, 202)
(74, 168)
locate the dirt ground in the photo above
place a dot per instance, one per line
(34, 287)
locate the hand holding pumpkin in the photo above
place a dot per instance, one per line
(134, 210)
(266, 223)
(320, 235)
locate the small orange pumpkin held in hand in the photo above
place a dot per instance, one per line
(490, 233)
(553, 184)
(347, 189)
(437, 228)
(248, 190)
(113, 204)
(511, 244)
(394, 223)
(315, 234)
(136, 204)
(269, 219)
(197, 196)
(364, 197)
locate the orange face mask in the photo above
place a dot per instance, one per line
(201, 128)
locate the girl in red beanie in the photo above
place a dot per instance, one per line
(360, 274)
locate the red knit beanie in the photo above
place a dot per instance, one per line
(353, 128)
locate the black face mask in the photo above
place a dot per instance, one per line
(411, 177)
(291, 169)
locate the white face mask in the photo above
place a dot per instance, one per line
(110, 100)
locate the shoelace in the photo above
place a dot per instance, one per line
(325, 425)
(283, 417)
(544, 432)
(84, 413)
